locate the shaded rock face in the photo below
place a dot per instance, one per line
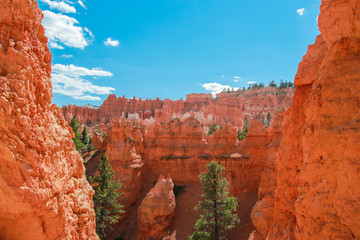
(263, 210)
(43, 191)
(317, 196)
(227, 108)
(156, 211)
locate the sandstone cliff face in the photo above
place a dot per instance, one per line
(156, 211)
(263, 210)
(227, 108)
(316, 196)
(43, 191)
(125, 160)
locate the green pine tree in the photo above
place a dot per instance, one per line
(107, 207)
(212, 129)
(75, 125)
(217, 205)
(84, 136)
(242, 134)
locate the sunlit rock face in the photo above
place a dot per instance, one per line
(43, 191)
(317, 193)
(156, 211)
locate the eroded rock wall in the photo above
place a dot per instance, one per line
(317, 196)
(156, 211)
(43, 191)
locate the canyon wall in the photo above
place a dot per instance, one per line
(226, 108)
(317, 166)
(43, 191)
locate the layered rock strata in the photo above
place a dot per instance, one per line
(43, 191)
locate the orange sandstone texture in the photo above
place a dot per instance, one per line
(317, 192)
(125, 160)
(181, 145)
(43, 191)
(156, 211)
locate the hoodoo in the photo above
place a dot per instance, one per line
(43, 191)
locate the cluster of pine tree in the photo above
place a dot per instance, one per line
(81, 140)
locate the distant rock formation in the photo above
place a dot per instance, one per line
(227, 108)
(43, 190)
(156, 211)
(317, 166)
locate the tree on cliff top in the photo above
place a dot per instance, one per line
(217, 205)
(107, 207)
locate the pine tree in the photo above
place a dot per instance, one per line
(75, 125)
(84, 135)
(107, 208)
(217, 205)
(242, 134)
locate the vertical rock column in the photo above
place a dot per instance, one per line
(43, 191)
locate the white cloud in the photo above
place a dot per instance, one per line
(222, 76)
(75, 71)
(236, 80)
(237, 77)
(300, 11)
(67, 56)
(60, 28)
(60, 6)
(66, 80)
(55, 45)
(111, 42)
(81, 4)
(251, 82)
(215, 88)
(89, 32)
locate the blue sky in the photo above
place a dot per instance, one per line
(169, 48)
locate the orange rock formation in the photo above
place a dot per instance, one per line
(316, 195)
(156, 211)
(125, 160)
(182, 145)
(228, 108)
(43, 191)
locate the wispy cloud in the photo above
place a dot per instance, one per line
(237, 77)
(55, 45)
(111, 42)
(215, 88)
(89, 32)
(61, 29)
(60, 6)
(75, 71)
(252, 82)
(222, 76)
(81, 3)
(236, 80)
(67, 56)
(300, 11)
(67, 80)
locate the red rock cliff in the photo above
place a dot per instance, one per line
(317, 193)
(43, 191)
